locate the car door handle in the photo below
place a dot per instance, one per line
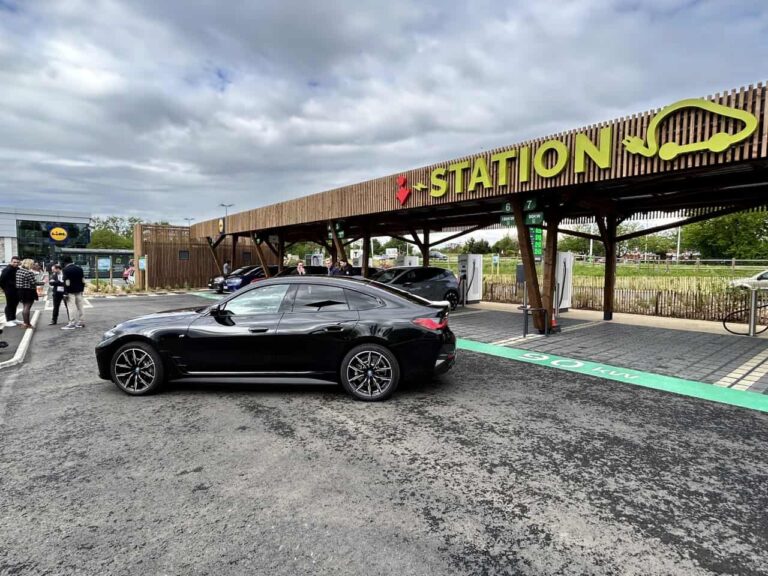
(257, 330)
(335, 328)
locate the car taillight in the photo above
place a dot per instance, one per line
(431, 323)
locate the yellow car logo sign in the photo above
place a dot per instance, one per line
(718, 142)
(58, 234)
(221, 225)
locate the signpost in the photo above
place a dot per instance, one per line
(104, 264)
(537, 243)
(534, 218)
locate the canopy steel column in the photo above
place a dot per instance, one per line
(529, 263)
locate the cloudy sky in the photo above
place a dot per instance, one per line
(166, 108)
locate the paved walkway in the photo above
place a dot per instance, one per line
(692, 350)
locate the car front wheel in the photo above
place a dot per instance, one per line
(137, 368)
(370, 372)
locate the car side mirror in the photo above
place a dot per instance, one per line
(217, 311)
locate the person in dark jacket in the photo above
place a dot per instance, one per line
(56, 282)
(74, 286)
(8, 285)
(26, 289)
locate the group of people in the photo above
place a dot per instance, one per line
(19, 282)
(340, 268)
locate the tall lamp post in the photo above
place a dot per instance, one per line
(226, 207)
(189, 221)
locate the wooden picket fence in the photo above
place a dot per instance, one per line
(674, 297)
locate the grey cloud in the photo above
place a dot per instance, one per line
(120, 107)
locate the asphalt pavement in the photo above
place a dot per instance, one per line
(496, 468)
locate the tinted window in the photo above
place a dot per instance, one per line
(315, 298)
(264, 300)
(387, 276)
(360, 301)
(243, 270)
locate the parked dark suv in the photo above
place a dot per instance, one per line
(428, 282)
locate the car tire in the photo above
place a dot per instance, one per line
(453, 297)
(370, 372)
(137, 369)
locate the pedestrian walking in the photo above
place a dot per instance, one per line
(56, 283)
(74, 286)
(26, 289)
(227, 268)
(8, 285)
(3, 343)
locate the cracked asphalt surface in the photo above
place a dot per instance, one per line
(496, 468)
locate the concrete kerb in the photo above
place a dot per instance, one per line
(26, 341)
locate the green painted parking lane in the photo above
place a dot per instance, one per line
(680, 386)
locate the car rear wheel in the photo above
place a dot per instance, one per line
(370, 372)
(453, 298)
(137, 368)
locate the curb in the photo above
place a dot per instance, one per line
(26, 340)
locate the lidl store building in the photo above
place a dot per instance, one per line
(39, 234)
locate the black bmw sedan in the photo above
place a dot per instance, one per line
(366, 335)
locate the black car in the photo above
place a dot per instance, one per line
(426, 281)
(366, 335)
(217, 282)
(243, 277)
(308, 270)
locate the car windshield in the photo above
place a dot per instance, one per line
(387, 276)
(243, 270)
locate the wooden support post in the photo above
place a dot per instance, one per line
(280, 253)
(366, 253)
(212, 247)
(529, 263)
(233, 261)
(550, 265)
(138, 252)
(608, 231)
(340, 252)
(425, 248)
(262, 260)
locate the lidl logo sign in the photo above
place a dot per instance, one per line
(551, 158)
(58, 234)
(221, 225)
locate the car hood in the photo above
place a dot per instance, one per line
(179, 315)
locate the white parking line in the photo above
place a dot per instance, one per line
(743, 377)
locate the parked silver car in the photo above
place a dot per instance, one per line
(757, 282)
(428, 282)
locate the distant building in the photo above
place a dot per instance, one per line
(39, 234)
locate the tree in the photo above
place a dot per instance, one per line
(105, 238)
(376, 247)
(507, 246)
(120, 225)
(473, 246)
(402, 246)
(742, 235)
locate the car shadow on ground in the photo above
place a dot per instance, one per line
(252, 386)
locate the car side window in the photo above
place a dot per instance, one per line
(319, 298)
(409, 276)
(763, 276)
(264, 300)
(359, 301)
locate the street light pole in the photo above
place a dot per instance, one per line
(226, 208)
(189, 221)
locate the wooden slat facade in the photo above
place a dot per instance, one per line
(378, 196)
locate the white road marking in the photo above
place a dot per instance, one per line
(743, 377)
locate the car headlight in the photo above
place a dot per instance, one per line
(109, 334)
(218, 279)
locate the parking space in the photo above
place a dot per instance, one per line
(498, 467)
(725, 360)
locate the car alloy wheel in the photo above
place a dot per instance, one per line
(137, 369)
(370, 372)
(453, 299)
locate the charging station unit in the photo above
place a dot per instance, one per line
(471, 277)
(564, 280)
